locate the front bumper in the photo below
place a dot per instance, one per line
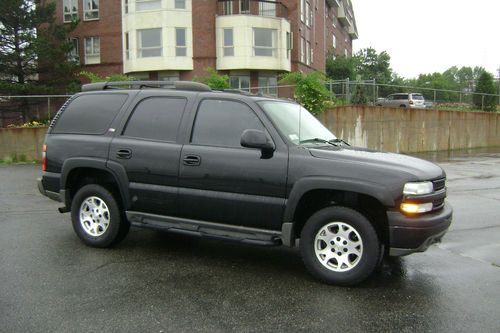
(415, 234)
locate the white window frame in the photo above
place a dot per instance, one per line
(241, 2)
(125, 6)
(74, 53)
(240, 79)
(181, 50)
(289, 43)
(302, 50)
(72, 14)
(140, 48)
(268, 88)
(228, 49)
(302, 10)
(92, 10)
(92, 57)
(227, 8)
(260, 47)
(334, 41)
(127, 46)
(308, 14)
(156, 5)
(308, 53)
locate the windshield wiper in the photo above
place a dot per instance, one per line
(334, 142)
(338, 141)
(316, 140)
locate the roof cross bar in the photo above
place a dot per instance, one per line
(178, 85)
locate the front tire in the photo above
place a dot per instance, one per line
(97, 218)
(339, 246)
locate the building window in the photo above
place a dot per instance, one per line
(228, 42)
(267, 9)
(92, 50)
(334, 41)
(244, 6)
(289, 44)
(264, 42)
(180, 4)
(168, 76)
(142, 5)
(74, 53)
(302, 50)
(125, 6)
(345, 53)
(308, 14)
(240, 82)
(180, 42)
(268, 85)
(127, 46)
(227, 7)
(308, 53)
(312, 55)
(333, 22)
(149, 43)
(70, 10)
(90, 10)
(302, 10)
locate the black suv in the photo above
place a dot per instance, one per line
(235, 166)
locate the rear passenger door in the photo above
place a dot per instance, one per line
(223, 182)
(147, 148)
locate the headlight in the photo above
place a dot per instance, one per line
(418, 188)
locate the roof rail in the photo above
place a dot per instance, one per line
(237, 91)
(179, 85)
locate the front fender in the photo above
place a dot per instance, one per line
(304, 185)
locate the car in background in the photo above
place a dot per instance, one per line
(403, 100)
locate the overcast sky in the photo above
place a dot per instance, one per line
(425, 36)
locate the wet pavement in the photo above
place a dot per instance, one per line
(157, 282)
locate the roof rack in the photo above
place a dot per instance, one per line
(237, 91)
(179, 85)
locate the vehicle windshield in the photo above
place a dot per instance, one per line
(287, 117)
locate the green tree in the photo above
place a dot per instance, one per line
(33, 48)
(213, 79)
(340, 68)
(485, 85)
(310, 90)
(93, 77)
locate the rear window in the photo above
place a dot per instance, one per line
(417, 97)
(90, 114)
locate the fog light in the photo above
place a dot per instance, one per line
(413, 208)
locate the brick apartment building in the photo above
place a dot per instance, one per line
(250, 40)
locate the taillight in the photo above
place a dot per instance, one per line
(411, 102)
(44, 157)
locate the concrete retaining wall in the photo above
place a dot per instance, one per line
(22, 144)
(388, 129)
(410, 130)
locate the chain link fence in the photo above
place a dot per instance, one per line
(369, 92)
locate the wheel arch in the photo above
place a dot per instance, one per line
(78, 172)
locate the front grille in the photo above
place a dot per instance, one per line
(439, 184)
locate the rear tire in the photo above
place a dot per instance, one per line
(340, 246)
(97, 218)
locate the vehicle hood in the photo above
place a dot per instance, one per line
(418, 168)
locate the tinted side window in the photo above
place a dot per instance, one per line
(221, 123)
(401, 96)
(90, 114)
(156, 118)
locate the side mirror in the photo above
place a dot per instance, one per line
(252, 138)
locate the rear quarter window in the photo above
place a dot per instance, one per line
(89, 114)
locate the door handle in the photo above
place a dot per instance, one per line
(124, 153)
(191, 160)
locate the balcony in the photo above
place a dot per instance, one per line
(266, 8)
(333, 3)
(344, 16)
(253, 37)
(353, 31)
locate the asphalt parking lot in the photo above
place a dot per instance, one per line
(157, 282)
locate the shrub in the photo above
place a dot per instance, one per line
(213, 79)
(310, 90)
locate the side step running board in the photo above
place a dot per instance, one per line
(205, 229)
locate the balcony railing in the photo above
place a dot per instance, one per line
(267, 8)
